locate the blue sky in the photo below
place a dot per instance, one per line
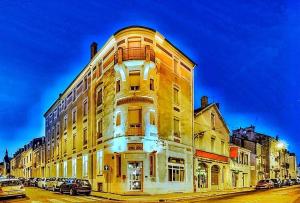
(247, 54)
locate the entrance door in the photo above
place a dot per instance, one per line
(135, 176)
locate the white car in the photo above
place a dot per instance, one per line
(11, 187)
(42, 183)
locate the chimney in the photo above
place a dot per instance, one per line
(93, 49)
(204, 101)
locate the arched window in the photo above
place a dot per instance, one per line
(202, 176)
(215, 175)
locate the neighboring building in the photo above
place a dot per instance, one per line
(240, 167)
(292, 170)
(16, 164)
(27, 161)
(211, 163)
(1, 168)
(274, 162)
(126, 121)
(38, 150)
(298, 170)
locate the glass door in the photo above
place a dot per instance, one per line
(135, 176)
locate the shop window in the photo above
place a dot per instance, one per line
(74, 164)
(99, 97)
(118, 165)
(99, 162)
(152, 84)
(118, 119)
(118, 86)
(85, 165)
(65, 169)
(175, 173)
(135, 118)
(152, 118)
(134, 80)
(202, 176)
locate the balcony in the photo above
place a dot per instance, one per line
(135, 130)
(134, 53)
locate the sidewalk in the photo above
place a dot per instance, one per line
(167, 197)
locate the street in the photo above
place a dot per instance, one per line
(37, 195)
(278, 195)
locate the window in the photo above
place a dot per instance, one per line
(152, 84)
(57, 170)
(152, 164)
(84, 136)
(65, 145)
(85, 83)
(74, 141)
(99, 97)
(118, 119)
(57, 149)
(74, 116)
(65, 169)
(176, 128)
(176, 96)
(176, 66)
(135, 118)
(57, 129)
(212, 144)
(100, 162)
(85, 108)
(74, 164)
(175, 172)
(74, 94)
(152, 118)
(134, 80)
(99, 129)
(118, 86)
(65, 122)
(222, 147)
(118, 165)
(212, 120)
(246, 159)
(85, 165)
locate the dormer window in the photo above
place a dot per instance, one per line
(134, 79)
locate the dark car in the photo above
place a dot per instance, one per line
(287, 182)
(75, 186)
(35, 182)
(277, 182)
(264, 184)
(295, 181)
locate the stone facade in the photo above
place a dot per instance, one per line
(125, 122)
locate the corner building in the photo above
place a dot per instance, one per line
(125, 122)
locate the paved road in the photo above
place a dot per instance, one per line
(37, 195)
(278, 195)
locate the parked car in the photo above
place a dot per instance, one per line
(42, 183)
(75, 186)
(55, 186)
(287, 182)
(11, 187)
(277, 182)
(48, 184)
(264, 184)
(22, 180)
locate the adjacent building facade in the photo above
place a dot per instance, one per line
(126, 121)
(211, 141)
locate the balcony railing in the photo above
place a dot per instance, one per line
(135, 130)
(134, 53)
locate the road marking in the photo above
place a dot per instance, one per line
(71, 199)
(55, 201)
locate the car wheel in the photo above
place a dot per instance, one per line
(53, 189)
(61, 191)
(72, 192)
(23, 196)
(88, 193)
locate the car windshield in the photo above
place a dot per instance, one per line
(10, 183)
(85, 182)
